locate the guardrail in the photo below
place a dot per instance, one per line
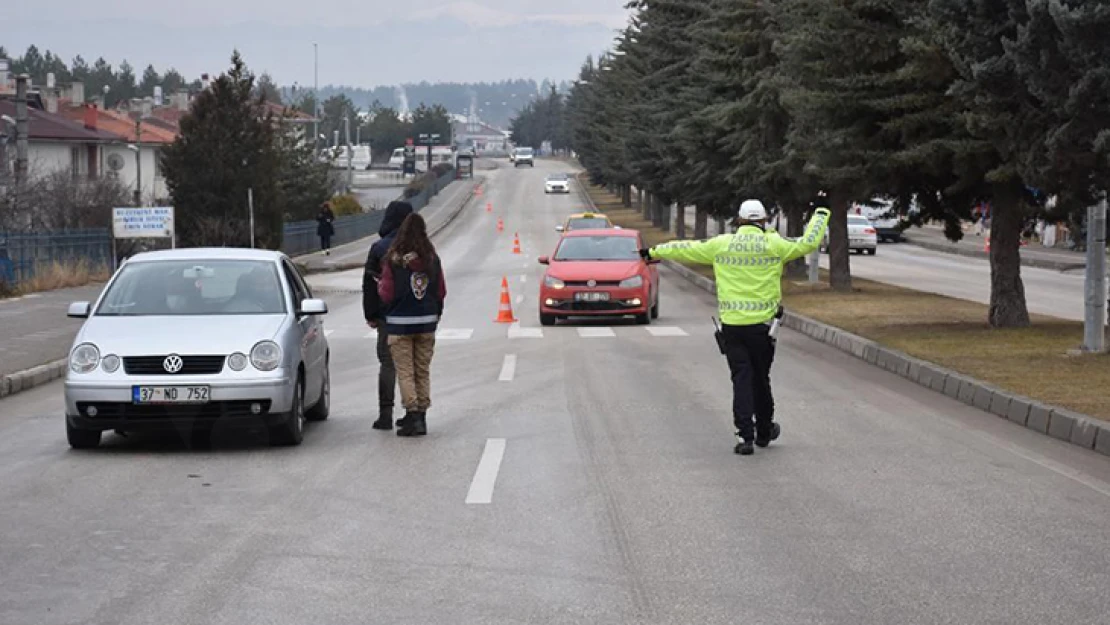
(299, 237)
(23, 254)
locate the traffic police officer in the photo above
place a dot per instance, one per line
(748, 269)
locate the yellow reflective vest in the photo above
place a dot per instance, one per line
(748, 266)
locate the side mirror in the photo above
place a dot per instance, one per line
(559, 228)
(544, 260)
(314, 307)
(79, 310)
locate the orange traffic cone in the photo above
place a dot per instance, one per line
(505, 310)
(489, 207)
(516, 244)
(500, 224)
(478, 191)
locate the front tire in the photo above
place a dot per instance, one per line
(547, 320)
(82, 439)
(655, 308)
(291, 432)
(644, 319)
(322, 409)
(871, 252)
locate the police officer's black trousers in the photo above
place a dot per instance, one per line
(750, 352)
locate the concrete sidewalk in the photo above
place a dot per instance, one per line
(36, 335)
(1032, 255)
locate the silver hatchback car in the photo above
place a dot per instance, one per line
(195, 338)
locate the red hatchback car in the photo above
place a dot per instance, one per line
(599, 273)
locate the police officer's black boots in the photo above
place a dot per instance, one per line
(774, 434)
(385, 419)
(743, 447)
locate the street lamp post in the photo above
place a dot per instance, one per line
(316, 97)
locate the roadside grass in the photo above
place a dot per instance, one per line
(950, 332)
(59, 276)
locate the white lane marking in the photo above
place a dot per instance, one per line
(524, 277)
(457, 334)
(517, 332)
(594, 333)
(520, 299)
(328, 333)
(481, 488)
(666, 331)
(508, 368)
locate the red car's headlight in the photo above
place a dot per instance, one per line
(554, 283)
(632, 283)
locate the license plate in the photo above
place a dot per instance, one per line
(591, 296)
(170, 394)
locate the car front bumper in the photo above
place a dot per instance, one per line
(247, 402)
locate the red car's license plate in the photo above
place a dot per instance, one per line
(591, 296)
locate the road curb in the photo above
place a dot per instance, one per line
(27, 379)
(347, 266)
(952, 248)
(1060, 423)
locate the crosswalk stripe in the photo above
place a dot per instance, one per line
(517, 332)
(666, 331)
(458, 334)
(593, 333)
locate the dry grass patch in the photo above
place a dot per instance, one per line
(63, 276)
(950, 332)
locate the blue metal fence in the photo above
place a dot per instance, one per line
(23, 254)
(299, 237)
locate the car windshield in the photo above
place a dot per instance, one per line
(195, 287)
(557, 178)
(588, 223)
(524, 152)
(598, 248)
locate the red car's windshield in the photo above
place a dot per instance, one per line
(598, 248)
(587, 223)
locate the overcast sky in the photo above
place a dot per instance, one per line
(361, 42)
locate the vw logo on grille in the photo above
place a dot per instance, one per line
(591, 283)
(173, 363)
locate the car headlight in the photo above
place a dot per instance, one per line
(237, 361)
(632, 283)
(84, 359)
(110, 363)
(554, 283)
(266, 356)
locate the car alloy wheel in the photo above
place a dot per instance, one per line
(291, 432)
(322, 409)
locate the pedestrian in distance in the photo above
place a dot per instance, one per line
(325, 227)
(413, 289)
(748, 268)
(372, 310)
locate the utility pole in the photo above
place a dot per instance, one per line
(350, 153)
(316, 99)
(21, 130)
(250, 206)
(1094, 281)
(138, 163)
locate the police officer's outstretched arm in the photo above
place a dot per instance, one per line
(700, 252)
(793, 249)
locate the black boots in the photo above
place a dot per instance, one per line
(775, 431)
(385, 419)
(744, 448)
(413, 424)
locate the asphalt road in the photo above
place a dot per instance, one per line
(571, 475)
(1047, 292)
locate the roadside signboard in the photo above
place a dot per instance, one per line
(153, 222)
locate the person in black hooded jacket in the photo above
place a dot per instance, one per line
(372, 309)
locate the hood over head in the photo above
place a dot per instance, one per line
(395, 213)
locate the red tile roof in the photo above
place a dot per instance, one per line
(45, 126)
(121, 124)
